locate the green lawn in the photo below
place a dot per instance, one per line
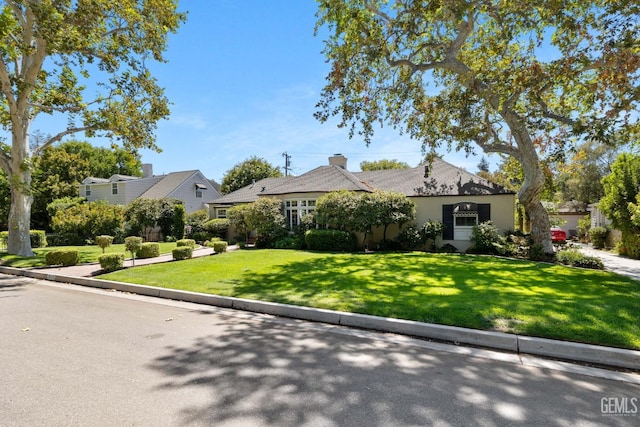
(479, 292)
(86, 253)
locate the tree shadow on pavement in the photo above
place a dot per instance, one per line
(290, 373)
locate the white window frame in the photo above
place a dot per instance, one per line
(114, 188)
(87, 190)
(295, 209)
(463, 232)
(221, 213)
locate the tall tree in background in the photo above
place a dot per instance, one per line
(384, 164)
(49, 51)
(244, 173)
(59, 170)
(580, 179)
(521, 81)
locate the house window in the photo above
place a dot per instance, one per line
(199, 189)
(114, 188)
(221, 213)
(294, 210)
(463, 225)
(465, 216)
(459, 219)
(87, 190)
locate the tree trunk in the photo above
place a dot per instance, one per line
(19, 242)
(529, 194)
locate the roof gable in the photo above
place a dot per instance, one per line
(436, 179)
(167, 185)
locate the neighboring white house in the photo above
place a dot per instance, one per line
(440, 191)
(190, 187)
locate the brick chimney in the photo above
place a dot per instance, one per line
(338, 160)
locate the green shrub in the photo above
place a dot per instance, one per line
(330, 240)
(4, 238)
(598, 236)
(290, 242)
(200, 236)
(38, 238)
(219, 247)
(182, 252)
(62, 257)
(584, 224)
(104, 241)
(411, 238)
(111, 262)
(132, 244)
(186, 242)
(217, 227)
(629, 246)
(575, 258)
(82, 222)
(148, 250)
(486, 239)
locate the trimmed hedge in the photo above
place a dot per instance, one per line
(148, 250)
(111, 262)
(104, 241)
(186, 242)
(182, 252)
(575, 258)
(219, 247)
(62, 257)
(330, 240)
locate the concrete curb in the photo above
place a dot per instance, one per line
(601, 355)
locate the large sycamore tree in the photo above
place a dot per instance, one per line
(84, 62)
(522, 79)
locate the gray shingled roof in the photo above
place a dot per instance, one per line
(251, 192)
(321, 179)
(167, 185)
(440, 179)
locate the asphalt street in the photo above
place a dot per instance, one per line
(71, 356)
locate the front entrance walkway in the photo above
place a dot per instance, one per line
(612, 262)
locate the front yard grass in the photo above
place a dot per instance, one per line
(479, 292)
(86, 254)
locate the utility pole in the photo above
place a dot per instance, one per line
(287, 163)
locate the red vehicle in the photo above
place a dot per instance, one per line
(558, 235)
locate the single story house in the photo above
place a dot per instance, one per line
(440, 192)
(190, 187)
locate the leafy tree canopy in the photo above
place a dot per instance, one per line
(244, 173)
(521, 81)
(52, 53)
(377, 165)
(60, 168)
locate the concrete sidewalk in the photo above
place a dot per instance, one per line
(93, 269)
(613, 262)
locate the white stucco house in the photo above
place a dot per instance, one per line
(190, 187)
(440, 192)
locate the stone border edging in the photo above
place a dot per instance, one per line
(601, 355)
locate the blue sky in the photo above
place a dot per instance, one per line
(244, 77)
